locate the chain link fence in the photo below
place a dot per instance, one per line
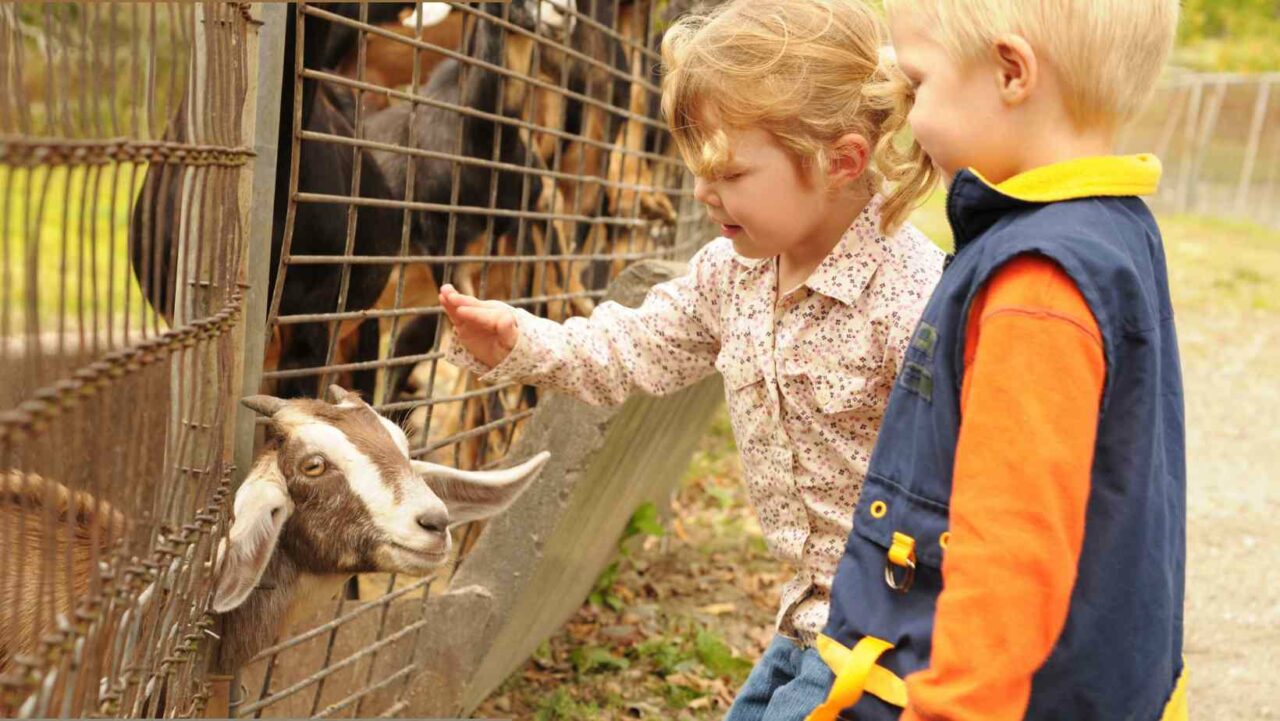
(114, 438)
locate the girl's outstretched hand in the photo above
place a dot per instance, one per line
(486, 328)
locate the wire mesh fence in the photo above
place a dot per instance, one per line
(513, 149)
(510, 148)
(1219, 139)
(116, 366)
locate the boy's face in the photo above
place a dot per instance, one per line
(958, 116)
(763, 200)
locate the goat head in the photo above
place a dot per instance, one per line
(335, 489)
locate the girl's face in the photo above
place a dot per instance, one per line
(763, 200)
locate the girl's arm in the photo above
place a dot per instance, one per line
(669, 342)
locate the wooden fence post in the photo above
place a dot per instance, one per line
(1251, 150)
(1194, 99)
(1209, 123)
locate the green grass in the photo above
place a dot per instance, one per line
(1216, 264)
(99, 69)
(1230, 35)
(561, 706)
(931, 219)
(64, 254)
(1213, 262)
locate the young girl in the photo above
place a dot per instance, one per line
(805, 304)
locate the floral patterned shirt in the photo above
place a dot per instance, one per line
(807, 377)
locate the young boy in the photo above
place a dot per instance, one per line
(1018, 549)
(805, 304)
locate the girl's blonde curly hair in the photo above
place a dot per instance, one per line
(806, 71)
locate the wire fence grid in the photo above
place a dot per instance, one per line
(113, 437)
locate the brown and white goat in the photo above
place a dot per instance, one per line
(332, 494)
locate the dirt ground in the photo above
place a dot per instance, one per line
(1227, 294)
(694, 605)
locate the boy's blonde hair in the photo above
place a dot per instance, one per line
(1108, 53)
(805, 71)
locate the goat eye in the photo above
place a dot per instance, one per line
(313, 466)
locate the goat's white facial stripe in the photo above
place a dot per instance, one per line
(433, 13)
(397, 520)
(397, 435)
(554, 14)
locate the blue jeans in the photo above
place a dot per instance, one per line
(787, 684)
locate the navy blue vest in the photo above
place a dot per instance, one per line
(1120, 652)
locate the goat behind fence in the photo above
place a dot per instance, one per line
(510, 148)
(522, 159)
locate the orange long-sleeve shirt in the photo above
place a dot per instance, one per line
(1034, 373)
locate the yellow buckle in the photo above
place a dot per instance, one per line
(901, 553)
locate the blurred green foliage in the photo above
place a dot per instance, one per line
(1230, 35)
(1225, 35)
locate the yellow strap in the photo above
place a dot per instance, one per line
(856, 671)
(1176, 708)
(903, 550)
(886, 686)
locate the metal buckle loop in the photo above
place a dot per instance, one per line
(901, 553)
(891, 576)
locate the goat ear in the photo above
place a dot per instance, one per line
(264, 405)
(261, 509)
(338, 394)
(474, 495)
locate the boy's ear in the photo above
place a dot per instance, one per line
(1017, 68)
(849, 159)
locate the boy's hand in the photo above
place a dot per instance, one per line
(486, 328)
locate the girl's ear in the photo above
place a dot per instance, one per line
(850, 156)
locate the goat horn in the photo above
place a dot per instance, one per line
(338, 394)
(266, 405)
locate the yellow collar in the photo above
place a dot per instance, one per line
(1108, 175)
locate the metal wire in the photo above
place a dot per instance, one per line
(340, 620)
(427, 310)
(472, 112)
(113, 453)
(331, 669)
(461, 210)
(498, 69)
(482, 163)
